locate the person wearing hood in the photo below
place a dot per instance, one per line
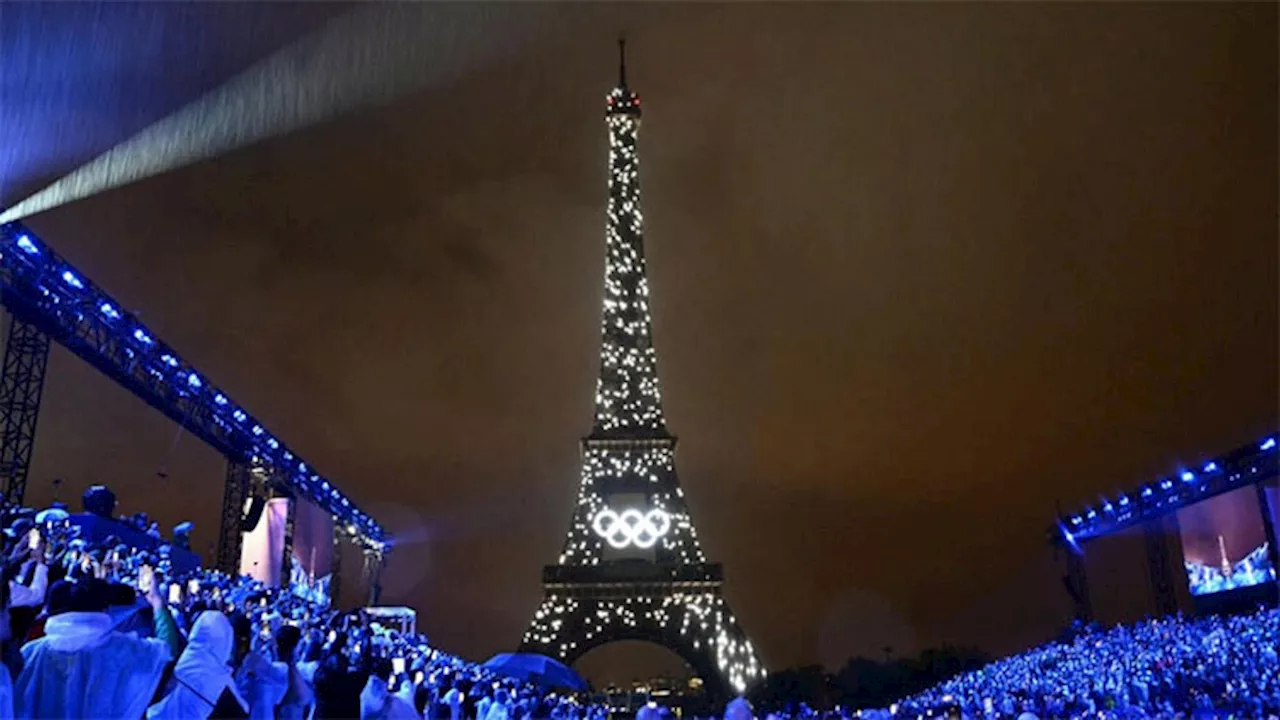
(377, 702)
(502, 707)
(82, 667)
(263, 683)
(738, 709)
(299, 699)
(454, 700)
(483, 704)
(202, 685)
(6, 680)
(650, 710)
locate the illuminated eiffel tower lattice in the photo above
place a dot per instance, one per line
(632, 567)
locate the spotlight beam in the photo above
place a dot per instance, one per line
(363, 58)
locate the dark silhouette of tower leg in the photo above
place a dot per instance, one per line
(1077, 583)
(374, 562)
(1163, 588)
(335, 577)
(26, 356)
(234, 493)
(286, 552)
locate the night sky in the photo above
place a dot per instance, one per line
(920, 273)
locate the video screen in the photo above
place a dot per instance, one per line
(1224, 543)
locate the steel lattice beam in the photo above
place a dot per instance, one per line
(44, 290)
(335, 565)
(26, 355)
(1164, 584)
(286, 552)
(230, 532)
(1249, 465)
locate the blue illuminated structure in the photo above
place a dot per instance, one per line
(43, 291)
(1150, 506)
(1248, 465)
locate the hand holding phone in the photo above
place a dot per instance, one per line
(146, 579)
(397, 665)
(175, 594)
(33, 538)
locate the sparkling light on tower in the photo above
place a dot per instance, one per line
(632, 566)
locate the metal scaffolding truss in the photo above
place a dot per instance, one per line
(26, 354)
(1248, 465)
(51, 297)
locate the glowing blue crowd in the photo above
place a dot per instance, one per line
(1174, 667)
(100, 629)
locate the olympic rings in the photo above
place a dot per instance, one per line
(631, 527)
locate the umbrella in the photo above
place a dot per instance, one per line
(51, 515)
(536, 669)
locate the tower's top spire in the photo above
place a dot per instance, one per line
(622, 101)
(622, 60)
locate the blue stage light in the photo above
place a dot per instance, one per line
(1267, 444)
(1091, 514)
(1147, 492)
(1166, 484)
(1124, 500)
(239, 415)
(1075, 519)
(141, 336)
(302, 467)
(169, 360)
(273, 443)
(1188, 476)
(28, 247)
(70, 278)
(1211, 467)
(194, 380)
(257, 430)
(108, 310)
(220, 399)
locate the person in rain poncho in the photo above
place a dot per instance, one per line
(377, 702)
(650, 710)
(84, 668)
(300, 698)
(738, 709)
(6, 682)
(500, 707)
(454, 699)
(202, 680)
(262, 682)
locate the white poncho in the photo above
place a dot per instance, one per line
(82, 668)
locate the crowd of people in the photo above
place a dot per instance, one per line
(1172, 667)
(101, 629)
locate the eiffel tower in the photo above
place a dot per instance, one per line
(632, 567)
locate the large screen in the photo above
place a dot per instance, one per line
(1224, 543)
(312, 552)
(262, 550)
